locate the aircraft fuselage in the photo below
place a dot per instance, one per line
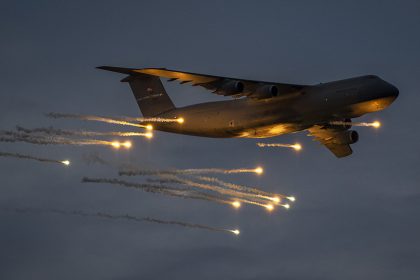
(291, 112)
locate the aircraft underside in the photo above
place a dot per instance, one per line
(255, 132)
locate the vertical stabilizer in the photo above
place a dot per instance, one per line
(150, 94)
(148, 90)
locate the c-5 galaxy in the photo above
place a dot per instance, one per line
(262, 109)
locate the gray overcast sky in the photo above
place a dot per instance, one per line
(355, 218)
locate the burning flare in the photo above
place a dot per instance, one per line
(129, 121)
(269, 207)
(117, 145)
(296, 146)
(236, 204)
(235, 231)
(258, 170)
(12, 137)
(375, 124)
(21, 156)
(62, 132)
(276, 199)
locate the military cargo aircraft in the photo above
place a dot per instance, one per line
(262, 109)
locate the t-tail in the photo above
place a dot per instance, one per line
(148, 90)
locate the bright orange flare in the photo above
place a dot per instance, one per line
(116, 144)
(375, 124)
(259, 170)
(236, 204)
(276, 199)
(126, 144)
(180, 120)
(269, 207)
(297, 147)
(235, 231)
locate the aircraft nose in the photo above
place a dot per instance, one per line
(389, 90)
(394, 91)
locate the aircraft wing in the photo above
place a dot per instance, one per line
(219, 85)
(327, 136)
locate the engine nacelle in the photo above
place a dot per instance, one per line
(231, 87)
(265, 91)
(346, 137)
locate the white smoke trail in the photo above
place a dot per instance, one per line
(296, 146)
(183, 193)
(234, 194)
(93, 158)
(62, 132)
(115, 217)
(375, 124)
(248, 191)
(21, 156)
(143, 172)
(152, 120)
(253, 194)
(94, 118)
(139, 122)
(163, 181)
(11, 136)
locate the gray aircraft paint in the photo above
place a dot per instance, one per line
(295, 109)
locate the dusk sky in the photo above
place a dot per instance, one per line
(354, 218)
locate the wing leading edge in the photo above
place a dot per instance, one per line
(218, 84)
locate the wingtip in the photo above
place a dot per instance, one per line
(108, 68)
(116, 69)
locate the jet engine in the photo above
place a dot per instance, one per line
(346, 137)
(265, 91)
(231, 87)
